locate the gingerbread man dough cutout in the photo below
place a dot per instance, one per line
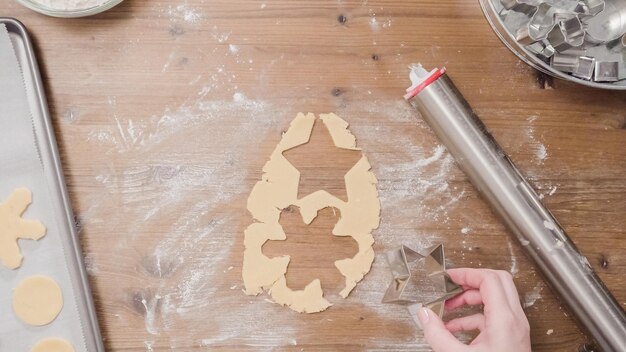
(13, 227)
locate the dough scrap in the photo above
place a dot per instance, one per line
(309, 300)
(278, 189)
(52, 345)
(37, 300)
(338, 129)
(13, 227)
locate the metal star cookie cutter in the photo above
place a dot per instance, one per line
(435, 265)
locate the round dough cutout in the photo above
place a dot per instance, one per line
(53, 345)
(37, 300)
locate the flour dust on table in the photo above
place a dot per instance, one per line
(196, 261)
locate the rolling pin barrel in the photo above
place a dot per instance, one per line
(497, 179)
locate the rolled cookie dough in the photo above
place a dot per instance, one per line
(13, 227)
(37, 300)
(278, 189)
(52, 345)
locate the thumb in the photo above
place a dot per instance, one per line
(436, 334)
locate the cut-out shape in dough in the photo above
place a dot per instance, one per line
(315, 163)
(37, 300)
(278, 189)
(52, 345)
(13, 227)
(304, 244)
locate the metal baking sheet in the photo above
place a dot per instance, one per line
(29, 158)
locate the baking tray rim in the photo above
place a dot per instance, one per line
(77, 271)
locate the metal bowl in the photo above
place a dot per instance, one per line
(491, 9)
(82, 12)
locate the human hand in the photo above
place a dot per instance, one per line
(503, 325)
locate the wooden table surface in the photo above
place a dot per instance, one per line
(166, 111)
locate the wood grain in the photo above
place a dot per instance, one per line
(166, 111)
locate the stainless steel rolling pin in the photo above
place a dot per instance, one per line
(516, 203)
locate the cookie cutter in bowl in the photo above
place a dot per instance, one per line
(536, 30)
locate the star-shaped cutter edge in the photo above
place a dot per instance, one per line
(435, 263)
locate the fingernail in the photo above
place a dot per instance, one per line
(422, 315)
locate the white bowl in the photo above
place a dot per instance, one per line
(82, 12)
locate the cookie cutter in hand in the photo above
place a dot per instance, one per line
(403, 289)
